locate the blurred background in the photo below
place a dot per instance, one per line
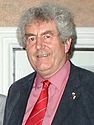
(11, 10)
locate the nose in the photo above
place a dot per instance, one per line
(39, 43)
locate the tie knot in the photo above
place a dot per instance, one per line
(46, 83)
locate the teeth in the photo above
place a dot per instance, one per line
(40, 54)
(44, 55)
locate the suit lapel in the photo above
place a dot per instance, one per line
(20, 101)
(24, 95)
(70, 96)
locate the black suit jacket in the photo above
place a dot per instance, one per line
(76, 106)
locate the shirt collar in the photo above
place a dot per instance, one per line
(57, 79)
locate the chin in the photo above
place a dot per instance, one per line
(43, 69)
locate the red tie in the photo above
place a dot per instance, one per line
(38, 112)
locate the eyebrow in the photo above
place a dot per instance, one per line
(46, 32)
(29, 34)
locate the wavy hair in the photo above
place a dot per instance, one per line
(62, 17)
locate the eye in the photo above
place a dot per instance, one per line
(47, 36)
(31, 38)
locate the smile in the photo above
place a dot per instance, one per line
(42, 55)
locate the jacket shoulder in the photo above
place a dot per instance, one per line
(84, 77)
(25, 81)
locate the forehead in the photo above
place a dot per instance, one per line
(40, 27)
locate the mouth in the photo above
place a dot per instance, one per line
(42, 55)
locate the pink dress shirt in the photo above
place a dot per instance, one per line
(56, 90)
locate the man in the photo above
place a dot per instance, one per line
(47, 32)
(2, 107)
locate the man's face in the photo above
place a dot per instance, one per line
(45, 51)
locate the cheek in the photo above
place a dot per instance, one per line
(59, 53)
(59, 50)
(29, 54)
(30, 50)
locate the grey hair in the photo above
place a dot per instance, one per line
(47, 12)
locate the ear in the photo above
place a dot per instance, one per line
(68, 45)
